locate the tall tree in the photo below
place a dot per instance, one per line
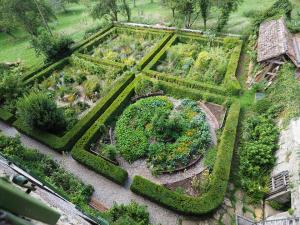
(110, 9)
(189, 10)
(29, 14)
(7, 23)
(106, 8)
(227, 7)
(173, 5)
(204, 8)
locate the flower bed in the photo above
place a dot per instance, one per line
(168, 135)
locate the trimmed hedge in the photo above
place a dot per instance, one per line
(66, 142)
(78, 45)
(96, 41)
(212, 199)
(98, 164)
(101, 61)
(161, 53)
(47, 72)
(185, 82)
(146, 59)
(195, 94)
(231, 82)
(6, 116)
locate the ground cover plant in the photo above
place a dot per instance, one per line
(168, 136)
(196, 60)
(127, 47)
(47, 169)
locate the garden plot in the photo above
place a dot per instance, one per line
(158, 135)
(76, 89)
(127, 47)
(201, 59)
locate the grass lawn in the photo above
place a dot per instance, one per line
(74, 23)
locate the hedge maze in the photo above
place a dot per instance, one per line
(170, 61)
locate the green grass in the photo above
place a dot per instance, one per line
(74, 23)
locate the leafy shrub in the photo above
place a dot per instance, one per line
(11, 88)
(46, 169)
(131, 214)
(52, 47)
(256, 155)
(109, 151)
(145, 86)
(37, 110)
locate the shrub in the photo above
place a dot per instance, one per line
(131, 214)
(37, 110)
(256, 155)
(46, 170)
(52, 47)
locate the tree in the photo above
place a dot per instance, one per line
(173, 5)
(109, 9)
(53, 47)
(7, 23)
(37, 110)
(29, 14)
(204, 8)
(227, 7)
(189, 10)
(106, 8)
(125, 9)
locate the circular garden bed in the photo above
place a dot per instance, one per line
(168, 133)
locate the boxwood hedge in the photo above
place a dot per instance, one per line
(66, 142)
(209, 201)
(98, 164)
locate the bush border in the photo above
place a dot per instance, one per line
(66, 142)
(209, 201)
(230, 82)
(96, 163)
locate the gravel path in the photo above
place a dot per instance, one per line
(106, 191)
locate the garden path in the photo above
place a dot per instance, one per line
(106, 191)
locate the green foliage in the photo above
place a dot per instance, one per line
(257, 158)
(110, 9)
(209, 201)
(227, 8)
(37, 110)
(46, 169)
(53, 47)
(27, 14)
(131, 214)
(210, 157)
(127, 46)
(168, 138)
(278, 9)
(145, 86)
(115, 104)
(283, 94)
(109, 151)
(11, 88)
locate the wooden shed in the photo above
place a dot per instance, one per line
(275, 45)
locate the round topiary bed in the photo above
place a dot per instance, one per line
(168, 134)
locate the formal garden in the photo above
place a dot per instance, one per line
(161, 112)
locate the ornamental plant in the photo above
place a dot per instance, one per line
(37, 110)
